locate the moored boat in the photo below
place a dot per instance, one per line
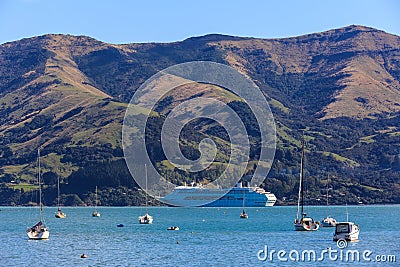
(328, 221)
(59, 214)
(346, 230)
(146, 219)
(96, 213)
(244, 215)
(304, 223)
(39, 230)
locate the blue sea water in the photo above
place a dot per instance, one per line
(207, 237)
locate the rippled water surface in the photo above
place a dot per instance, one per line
(207, 237)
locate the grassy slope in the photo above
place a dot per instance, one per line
(65, 87)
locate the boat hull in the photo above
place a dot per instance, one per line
(146, 219)
(328, 222)
(60, 215)
(348, 237)
(96, 214)
(306, 224)
(38, 235)
(302, 227)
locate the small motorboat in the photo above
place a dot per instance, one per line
(173, 228)
(120, 225)
(346, 231)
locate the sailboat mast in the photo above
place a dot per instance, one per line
(145, 170)
(95, 202)
(243, 201)
(327, 196)
(299, 195)
(40, 186)
(58, 192)
(302, 174)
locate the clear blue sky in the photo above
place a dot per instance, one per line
(172, 20)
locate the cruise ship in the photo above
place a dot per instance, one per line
(199, 196)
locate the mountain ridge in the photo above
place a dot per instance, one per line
(68, 94)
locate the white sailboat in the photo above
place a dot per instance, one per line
(147, 218)
(39, 230)
(243, 215)
(304, 223)
(348, 231)
(95, 213)
(328, 221)
(59, 214)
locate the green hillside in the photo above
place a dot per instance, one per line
(68, 95)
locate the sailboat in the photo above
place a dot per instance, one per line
(59, 214)
(147, 218)
(39, 230)
(95, 213)
(328, 221)
(346, 230)
(304, 223)
(243, 215)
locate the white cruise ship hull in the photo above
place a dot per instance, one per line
(205, 197)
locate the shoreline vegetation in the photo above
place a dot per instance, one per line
(123, 196)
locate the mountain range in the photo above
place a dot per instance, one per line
(68, 95)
